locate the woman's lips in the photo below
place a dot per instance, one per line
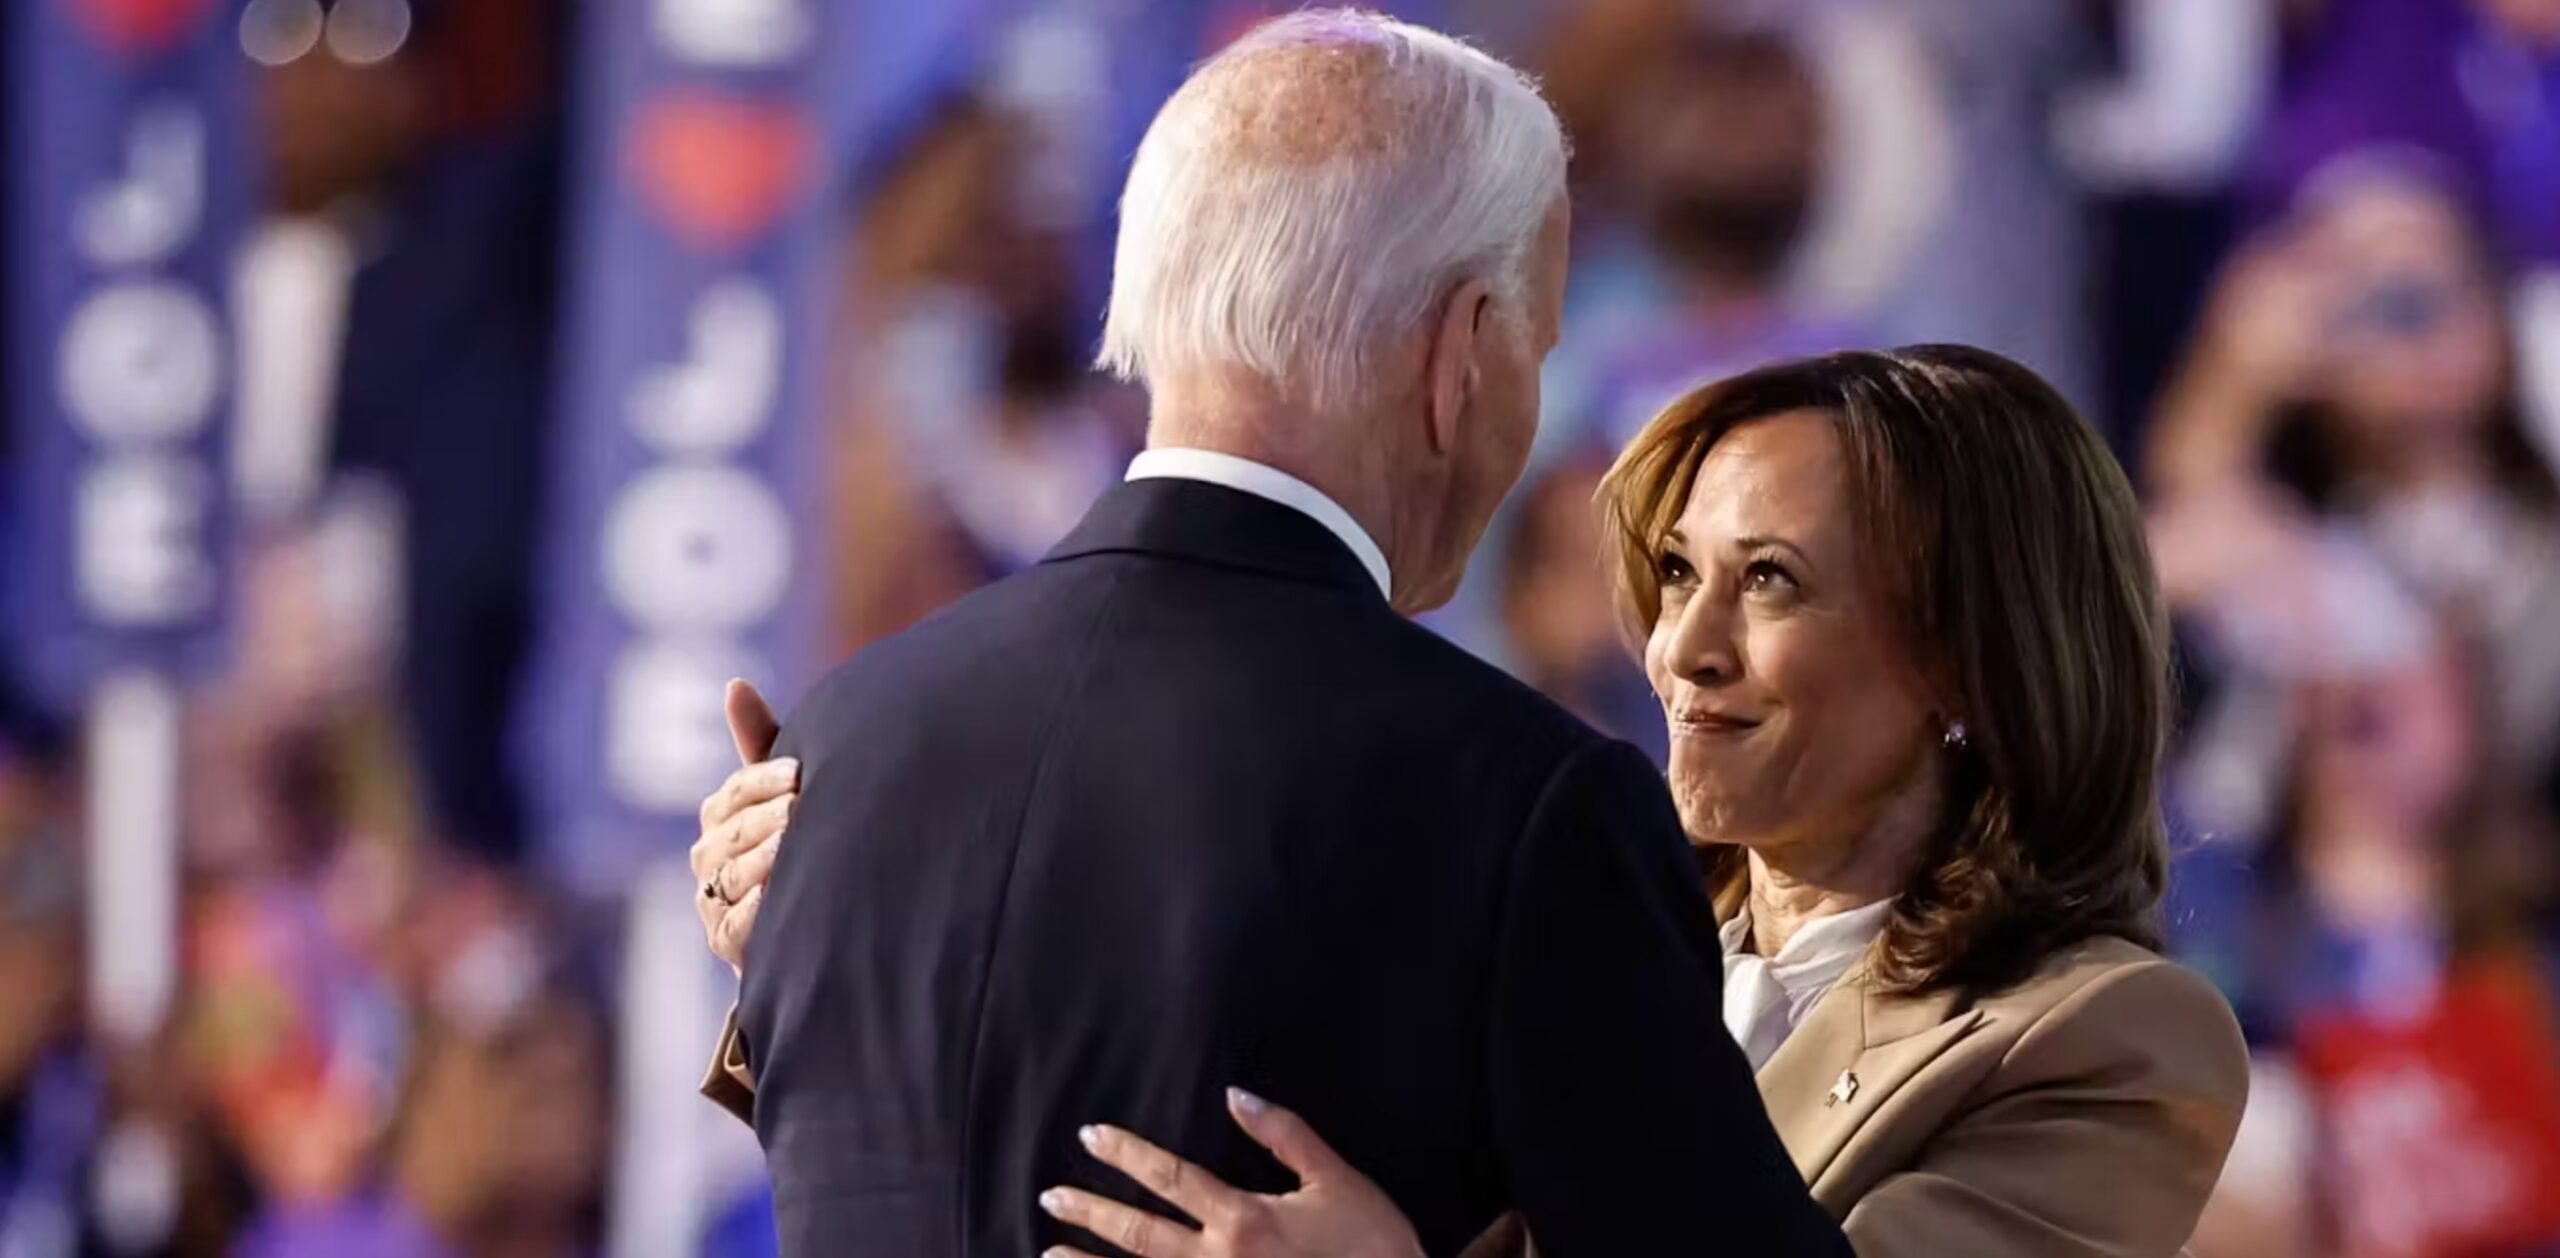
(1704, 724)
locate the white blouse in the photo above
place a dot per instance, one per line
(1765, 998)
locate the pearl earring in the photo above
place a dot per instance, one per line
(1954, 736)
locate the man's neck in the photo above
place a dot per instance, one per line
(1315, 449)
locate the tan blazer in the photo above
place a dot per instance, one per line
(2084, 1112)
(2081, 1113)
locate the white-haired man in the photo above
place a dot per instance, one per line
(1190, 805)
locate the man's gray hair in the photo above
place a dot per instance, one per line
(1313, 190)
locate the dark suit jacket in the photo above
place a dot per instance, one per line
(1187, 805)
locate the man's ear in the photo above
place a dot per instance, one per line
(1452, 362)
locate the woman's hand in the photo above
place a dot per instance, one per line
(1335, 1213)
(742, 825)
(2267, 320)
(2262, 343)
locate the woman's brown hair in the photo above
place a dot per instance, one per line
(2012, 546)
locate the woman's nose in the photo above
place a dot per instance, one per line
(1702, 648)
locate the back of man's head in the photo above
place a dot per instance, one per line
(1312, 192)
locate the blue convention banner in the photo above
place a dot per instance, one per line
(701, 258)
(904, 60)
(126, 160)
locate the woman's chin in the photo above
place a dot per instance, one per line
(1709, 822)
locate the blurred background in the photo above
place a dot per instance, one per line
(417, 408)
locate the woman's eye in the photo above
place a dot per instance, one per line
(1766, 575)
(1673, 569)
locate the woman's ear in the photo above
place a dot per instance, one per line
(1952, 733)
(1949, 715)
(1452, 363)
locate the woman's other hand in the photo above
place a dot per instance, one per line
(1335, 1213)
(742, 825)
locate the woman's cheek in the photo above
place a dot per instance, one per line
(1654, 674)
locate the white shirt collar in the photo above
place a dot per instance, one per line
(1818, 944)
(1766, 998)
(1267, 482)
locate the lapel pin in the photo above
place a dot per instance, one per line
(1842, 1090)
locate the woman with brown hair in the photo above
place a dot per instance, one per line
(1900, 617)
(2356, 368)
(2377, 936)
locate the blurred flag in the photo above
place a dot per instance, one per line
(127, 161)
(701, 250)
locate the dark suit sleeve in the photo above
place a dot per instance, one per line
(1627, 1119)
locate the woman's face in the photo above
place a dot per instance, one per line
(1796, 710)
(1556, 602)
(2537, 20)
(2394, 746)
(2412, 330)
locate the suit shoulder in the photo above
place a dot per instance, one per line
(1026, 605)
(1449, 670)
(2117, 1007)
(2103, 971)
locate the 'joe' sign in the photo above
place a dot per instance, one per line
(700, 254)
(125, 158)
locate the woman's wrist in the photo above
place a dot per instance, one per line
(2212, 424)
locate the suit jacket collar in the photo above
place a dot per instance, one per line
(1857, 1047)
(1212, 524)
(1265, 481)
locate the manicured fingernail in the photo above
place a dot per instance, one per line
(787, 766)
(1054, 1201)
(1092, 1138)
(1247, 1102)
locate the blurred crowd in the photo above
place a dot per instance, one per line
(2299, 259)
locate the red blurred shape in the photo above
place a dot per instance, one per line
(719, 169)
(135, 27)
(2440, 1129)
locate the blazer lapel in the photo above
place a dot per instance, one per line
(1855, 1049)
